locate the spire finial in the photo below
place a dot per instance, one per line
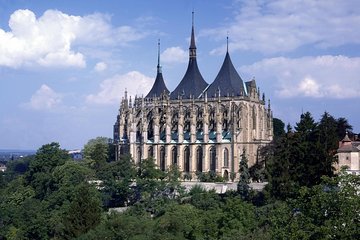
(158, 66)
(227, 42)
(192, 49)
(192, 17)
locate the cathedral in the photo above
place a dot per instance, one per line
(199, 127)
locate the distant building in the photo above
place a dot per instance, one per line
(199, 127)
(349, 154)
(2, 167)
(76, 154)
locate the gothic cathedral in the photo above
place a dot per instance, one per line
(200, 127)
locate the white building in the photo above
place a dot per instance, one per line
(349, 155)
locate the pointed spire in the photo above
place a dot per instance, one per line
(227, 42)
(346, 138)
(192, 84)
(158, 66)
(192, 48)
(228, 79)
(159, 88)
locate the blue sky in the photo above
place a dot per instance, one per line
(64, 65)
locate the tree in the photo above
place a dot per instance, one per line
(327, 145)
(83, 212)
(243, 184)
(39, 176)
(331, 209)
(279, 127)
(343, 126)
(97, 152)
(118, 177)
(279, 167)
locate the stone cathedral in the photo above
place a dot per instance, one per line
(200, 127)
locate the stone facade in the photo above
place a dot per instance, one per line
(349, 155)
(199, 127)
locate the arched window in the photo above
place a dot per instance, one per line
(199, 157)
(138, 154)
(226, 175)
(213, 159)
(187, 159)
(226, 157)
(150, 152)
(254, 118)
(174, 155)
(162, 158)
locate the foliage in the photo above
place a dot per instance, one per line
(97, 152)
(117, 178)
(210, 176)
(83, 212)
(279, 127)
(45, 200)
(331, 208)
(48, 196)
(243, 184)
(39, 176)
(302, 157)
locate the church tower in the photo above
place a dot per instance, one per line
(198, 127)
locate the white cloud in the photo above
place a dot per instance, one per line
(282, 25)
(174, 55)
(112, 89)
(100, 66)
(44, 99)
(309, 87)
(51, 39)
(323, 76)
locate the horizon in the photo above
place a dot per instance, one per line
(65, 66)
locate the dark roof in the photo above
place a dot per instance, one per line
(192, 84)
(228, 81)
(250, 84)
(346, 138)
(158, 88)
(348, 148)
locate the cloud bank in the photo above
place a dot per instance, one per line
(283, 26)
(112, 89)
(51, 39)
(316, 77)
(44, 98)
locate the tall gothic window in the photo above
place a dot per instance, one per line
(138, 153)
(199, 157)
(213, 159)
(150, 152)
(254, 117)
(162, 158)
(150, 130)
(174, 155)
(187, 121)
(226, 157)
(187, 159)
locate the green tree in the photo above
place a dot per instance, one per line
(204, 200)
(97, 152)
(83, 212)
(118, 176)
(244, 181)
(331, 209)
(47, 158)
(279, 127)
(327, 145)
(343, 126)
(238, 219)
